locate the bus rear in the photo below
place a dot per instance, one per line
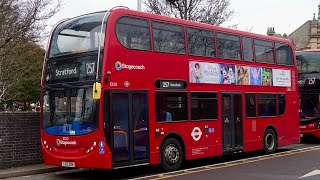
(309, 92)
(71, 134)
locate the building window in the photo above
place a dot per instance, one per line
(168, 38)
(229, 46)
(133, 33)
(171, 106)
(264, 51)
(267, 105)
(251, 104)
(201, 42)
(204, 106)
(281, 103)
(284, 54)
(247, 49)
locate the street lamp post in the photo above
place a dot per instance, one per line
(139, 5)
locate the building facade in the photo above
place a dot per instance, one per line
(307, 36)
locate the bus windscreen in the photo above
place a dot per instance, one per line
(69, 112)
(77, 35)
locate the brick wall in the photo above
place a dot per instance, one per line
(19, 139)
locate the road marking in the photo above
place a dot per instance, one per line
(227, 164)
(313, 173)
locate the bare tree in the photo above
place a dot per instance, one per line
(213, 12)
(21, 22)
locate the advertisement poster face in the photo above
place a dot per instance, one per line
(281, 77)
(266, 77)
(227, 74)
(204, 72)
(255, 76)
(243, 75)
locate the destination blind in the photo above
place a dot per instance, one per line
(74, 69)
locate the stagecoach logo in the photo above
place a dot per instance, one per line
(61, 142)
(119, 66)
(196, 133)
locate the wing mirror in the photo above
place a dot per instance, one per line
(96, 92)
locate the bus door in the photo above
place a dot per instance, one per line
(232, 122)
(129, 128)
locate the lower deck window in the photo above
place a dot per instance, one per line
(171, 106)
(267, 105)
(281, 103)
(204, 106)
(251, 104)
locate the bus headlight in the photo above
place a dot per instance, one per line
(91, 147)
(46, 145)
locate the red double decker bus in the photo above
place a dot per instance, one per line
(126, 88)
(309, 92)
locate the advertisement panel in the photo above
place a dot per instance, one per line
(281, 77)
(200, 72)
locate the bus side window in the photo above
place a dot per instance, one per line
(229, 46)
(247, 49)
(168, 38)
(201, 42)
(264, 51)
(281, 103)
(267, 105)
(133, 33)
(204, 106)
(284, 54)
(251, 104)
(171, 106)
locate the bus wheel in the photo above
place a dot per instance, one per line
(171, 155)
(269, 141)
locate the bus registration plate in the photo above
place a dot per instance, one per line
(68, 164)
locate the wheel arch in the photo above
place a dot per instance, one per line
(178, 137)
(274, 130)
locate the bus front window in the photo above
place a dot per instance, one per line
(78, 35)
(69, 112)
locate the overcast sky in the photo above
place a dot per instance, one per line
(284, 15)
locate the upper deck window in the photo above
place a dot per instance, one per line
(168, 38)
(284, 54)
(247, 49)
(201, 42)
(77, 35)
(308, 62)
(264, 51)
(229, 46)
(133, 33)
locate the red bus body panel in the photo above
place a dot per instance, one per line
(176, 67)
(310, 129)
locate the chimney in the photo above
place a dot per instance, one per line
(271, 31)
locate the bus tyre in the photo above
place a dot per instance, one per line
(171, 154)
(269, 141)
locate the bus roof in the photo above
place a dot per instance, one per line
(123, 11)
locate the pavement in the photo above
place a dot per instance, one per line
(28, 170)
